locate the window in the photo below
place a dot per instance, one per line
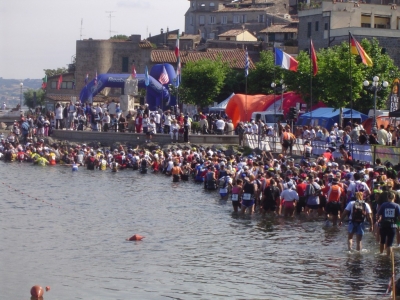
(224, 20)
(326, 26)
(260, 18)
(212, 5)
(316, 25)
(212, 20)
(271, 37)
(192, 3)
(65, 85)
(309, 29)
(201, 20)
(380, 26)
(236, 19)
(211, 35)
(366, 25)
(125, 64)
(244, 18)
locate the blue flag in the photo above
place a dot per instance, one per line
(146, 77)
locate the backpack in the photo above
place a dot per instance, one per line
(359, 211)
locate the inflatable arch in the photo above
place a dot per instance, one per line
(156, 93)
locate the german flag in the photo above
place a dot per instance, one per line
(356, 49)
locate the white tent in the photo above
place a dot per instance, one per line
(221, 106)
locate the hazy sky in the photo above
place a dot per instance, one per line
(42, 34)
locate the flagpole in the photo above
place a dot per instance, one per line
(311, 76)
(162, 94)
(351, 94)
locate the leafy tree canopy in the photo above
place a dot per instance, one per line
(28, 98)
(53, 72)
(202, 81)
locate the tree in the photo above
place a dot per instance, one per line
(260, 79)
(29, 101)
(119, 37)
(384, 68)
(202, 81)
(54, 72)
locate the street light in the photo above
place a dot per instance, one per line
(283, 88)
(20, 96)
(376, 86)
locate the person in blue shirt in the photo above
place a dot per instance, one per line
(388, 215)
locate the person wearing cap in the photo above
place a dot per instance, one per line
(289, 198)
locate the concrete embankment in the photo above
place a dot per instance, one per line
(135, 139)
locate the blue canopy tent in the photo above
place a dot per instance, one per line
(157, 94)
(327, 116)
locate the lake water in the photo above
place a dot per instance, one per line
(73, 239)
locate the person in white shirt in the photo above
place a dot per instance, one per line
(106, 121)
(174, 130)
(157, 120)
(254, 127)
(112, 108)
(289, 197)
(4, 106)
(167, 122)
(220, 125)
(59, 116)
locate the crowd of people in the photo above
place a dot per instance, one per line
(266, 184)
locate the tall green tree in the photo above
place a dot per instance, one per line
(260, 79)
(384, 68)
(202, 81)
(28, 98)
(53, 72)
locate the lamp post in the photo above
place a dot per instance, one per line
(376, 86)
(283, 88)
(276, 129)
(20, 96)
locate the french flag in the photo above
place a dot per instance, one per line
(285, 61)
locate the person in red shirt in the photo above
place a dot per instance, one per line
(328, 155)
(301, 189)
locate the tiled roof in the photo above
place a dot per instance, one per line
(280, 28)
(243, 9)
(234, 57)
(67, 98)
(232, 32)
(185, 37)
(145, 44)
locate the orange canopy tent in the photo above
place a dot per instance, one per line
(240, 107)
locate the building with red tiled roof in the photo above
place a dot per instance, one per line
(235, 58)
(280, 32)
(237, 35)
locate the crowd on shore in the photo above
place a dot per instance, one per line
(264, 183)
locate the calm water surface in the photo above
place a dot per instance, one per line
(73, 239)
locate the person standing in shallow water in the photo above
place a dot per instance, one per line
(357, 211)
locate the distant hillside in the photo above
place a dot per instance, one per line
(10, 89)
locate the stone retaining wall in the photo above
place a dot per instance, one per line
(138, 139)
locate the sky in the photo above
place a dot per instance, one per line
(42, 34)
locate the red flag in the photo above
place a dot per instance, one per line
(313, 58)
(177, 46)
(59, 82)
(133, 71)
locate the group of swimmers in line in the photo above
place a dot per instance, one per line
(254, 183)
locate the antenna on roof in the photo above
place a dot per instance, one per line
(110, 16)
(81, 29)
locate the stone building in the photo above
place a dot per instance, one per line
(211, 18)
(186, 41)
(237, 35)
(329, 24)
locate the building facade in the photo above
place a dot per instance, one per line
(329, 24)
(210, 18)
